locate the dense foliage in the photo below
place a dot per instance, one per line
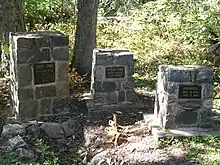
(48, 12)
(165, 32)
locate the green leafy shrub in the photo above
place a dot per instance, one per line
(48, 12)
(166, 32)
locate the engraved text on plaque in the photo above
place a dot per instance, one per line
(44, 73)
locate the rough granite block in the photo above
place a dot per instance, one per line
(25, 94)
(204, 76)
(45, 106)
(24, 76)
(111, 98)
(28, 109)
(62, 67)
(62, 89)
(60, 40)
(105, 86)
(183, 96)
(180, 75)
(27, 43)
(60, 54)
(44, 54)
(45, 91)
(25, 56)
(104, 59)
(125, 58)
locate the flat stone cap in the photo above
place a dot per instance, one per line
(111, 50)
(183, 67)
(38, 34)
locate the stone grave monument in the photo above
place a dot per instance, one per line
(184, 97)
(112, 84)
(38, 72)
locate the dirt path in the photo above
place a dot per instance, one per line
(138, 148)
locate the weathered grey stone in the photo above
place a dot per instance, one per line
(17, 142)
(118, 85)
(204, 76)
(121, 96)
(24, 76)
(44, 54)
(28, 109)
(25, 94)
(12, 130)
(112, 50)
(45, 106)
(207, 103)
(48, 82)
(99, 73)
(69, 127)
(24, 153)
(99, 98)
(62, 67)
(45, 91)
(125, 58)
(104, 59)
(43, 41)
(171, 108)
(111, 98)
(60, 40)
(180, 75)
(27, 43)
(105, 86)
(205, 120)
(128, 85)
(130, 70)
(25, 56)
(60, 54)
(53, 130)
(62, 89)
(62, 105)
(171, 87)
(190, 104)
(34, 130)
(112, 71)
(207, 91)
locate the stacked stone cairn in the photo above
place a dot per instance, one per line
(184, 97)
(38, 72)
(112, 82)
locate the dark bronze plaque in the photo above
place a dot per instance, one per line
(115, 72)
(44, 73)
(190, 92)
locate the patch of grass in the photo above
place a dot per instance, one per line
(200, 149)
(205, 149)
(143, 82)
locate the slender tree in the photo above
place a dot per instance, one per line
(85, 36)
(11, 20)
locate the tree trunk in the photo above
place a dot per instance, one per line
(11, 20)
(85, 38)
